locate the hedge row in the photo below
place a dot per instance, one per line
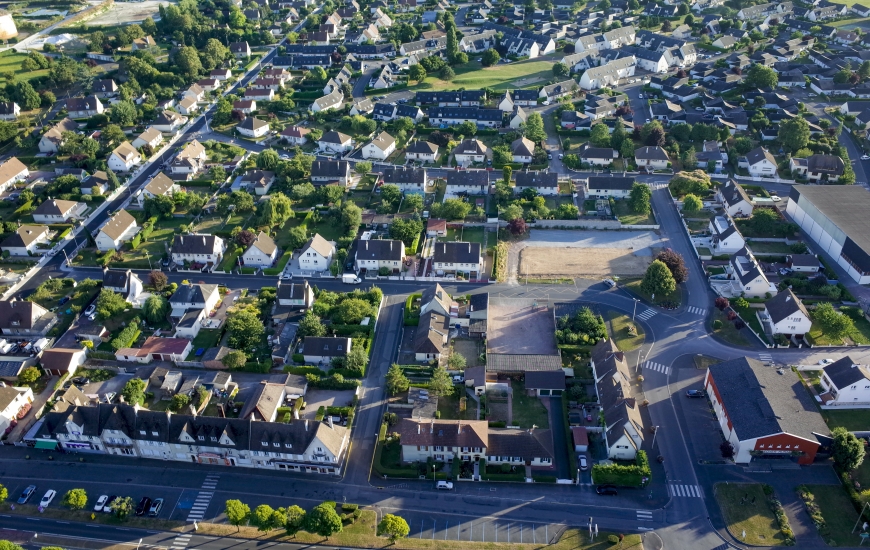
(411, 319)
(623, 475)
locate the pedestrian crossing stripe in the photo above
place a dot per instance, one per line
(644, 515)
(688, 491)
(766, 357)
(696, 310)
(646, 314)
(656, 367)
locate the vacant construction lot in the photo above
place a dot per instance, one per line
(122, 13)
(520, 327)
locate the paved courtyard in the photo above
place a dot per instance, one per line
(521, 327)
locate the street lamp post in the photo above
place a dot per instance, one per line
(635, 309)
(147, 255)
(655, 433)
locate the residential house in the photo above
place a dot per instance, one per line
(818, 167)
(221, 74)
(436, 228)
(623, 425)
(517, 118)
(469, 182)
(57, 211)
(597, 156)
(651, 158)
(295, 135)
(764, 412)
(124, 158)
(452, 116)
(9, 110)
(156, 348)
(846, 385)
(22, 318)
(430, 338)
(261, 253)
(159, 186)
(326, 172)
(459, 258)
(53, 138)
(335, 143)
(734, 199)
(422, 151)
(316, 254)
(759, 162)
(407, 178)
(260, 94)
(197, 249)
(190, 160)
(62, 361)
(712, 156)
(78, 107)
(12, 402)
(362, 106)
(253, 127)
(381, 147)
(299, 295)
(542, 182)
(747, 278)
(152, 137)
(608, 74)
(553, 92)
(263, 404)
(322, 350)
(169, 122)
(97, 183)
(187, 106)
(118, 229)
(605, 186)
(785, 314)
(544, 383)
(260, 181)
(469, 151)
(194, 296)
(725, 238)
(523, 149)
(124, 282)
(240, 50)
(373, 255)
(803, 263)
(328, 102)
(143, 43)
(246, 106)
(25, 240)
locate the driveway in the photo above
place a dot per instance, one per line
(560, 443)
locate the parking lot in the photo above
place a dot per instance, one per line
(314, 399)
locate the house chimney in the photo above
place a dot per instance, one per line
(432, 427)
(418, 428)
(331, 426)
(306, 424)
(788, 297)
(459, 427)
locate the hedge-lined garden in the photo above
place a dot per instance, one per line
(624, 474)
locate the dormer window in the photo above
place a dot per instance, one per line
(213, 438)
(155, 434)
(201, 437)
(289, 446)
(264, 443)
(142, 432)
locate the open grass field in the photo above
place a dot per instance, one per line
(619, 325)
(581, 262)
(10, 60)
(465, 234)
(851, 419)
(756, 519)
(728, 332)
(839, 514)
(473, 76)
(628, 217)
(528, 410)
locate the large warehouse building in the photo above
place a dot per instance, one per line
(837, 218)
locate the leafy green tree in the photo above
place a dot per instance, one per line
(393, 527)
(267, 160)
(237, 513)
(263, 517)
(179, 401)
(490, 57)
(155, 308)
(356, 360)
(26, 96)
(277, 210)
(29, 376)
(456, 361)
(847, 450)
(75, 499)
(352, 311)
(864, 70)
(691, 203)
(676, 264)
(187, 61)
(391, 194)
(600, 135)
(240, 200)
(235, 359)
(310, 325)
(834, 324)
(441, 384)
(122, 507)
(639, 197)
(351, 217)
(627, 148)
(794, 134)
(658, 279)
(323, 520)
(223, 112)
(110, 304)
(761, 76)
(295, 519)
(363, 168)
(414, 201)
(4, 493)
(245, 329)
(298, 237)
(134, 391)
(6, 545)
(696, 182)
(123, 113)
(397, 382)
(406, 229)
(534, 129)
(561, 70)
(447, 74)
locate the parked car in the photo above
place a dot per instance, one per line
(26, 494)
(47, 498)
(458, 379)
(550, 156)
(107, 507)
(444, 486)
(610, 283)
(824, 362)
(784, 271)
(143, 507)
(63, 300)
(98, 507)
(609, 490)
(696, 393)
(775, 198)
(865, 157)
(81, 381)
(91, 309)
(584, 465)
(156, 506)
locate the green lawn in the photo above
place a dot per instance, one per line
(230, 258)
(469, 235)
(860, 334)
(861, 474)
(728, 332)
(207, 338)
(628, 217)
(10, 60)
(474, 76)
(528, 410)
(757, 519)
(620, 324)
(448, 406)
(748, 315)
(851, 419)
(770, 248)
(852, 22)
(634, 286)
(839, 514)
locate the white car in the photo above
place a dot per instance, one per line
(98, 507)
(775, 198)
(824, 362)
(865, 157)
(444, 486)
(640, 96)
(91, 309)
(47, 498)
(583, 464)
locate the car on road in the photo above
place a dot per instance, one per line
(107, 507)
(156, 506)
(610, 283)
(584, 465)
(699, 108)
(865, 157)
(26, 494)
(696, 393)
(640, 96)
(775, 198)
(784, 271)
(91, 309)
(444, 486)
(47, 498)
(609, 490)
(143, 507)
(824, 362)
(98, 507)
(561, 156)
(550, 156)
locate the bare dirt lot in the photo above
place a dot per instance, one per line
(581, 262)
(518, 326)
(122, 13)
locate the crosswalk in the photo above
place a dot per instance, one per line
(658, 184)
(658, 367)
(181, 542)
(203, 498)
(644, 515)
(696, 310)
(765, 357)
(688, 491)
(646, 314)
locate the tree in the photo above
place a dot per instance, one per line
(323, 520)
(134, 391)
(109, 304)
(26, 96)
(440, 384)
(394, 527)
(262, 517)
(123, 113)
(356, 360)
(600, 135)
(456, 361)
(178, 402)
(397, 382)
(234, 360)
(240, 201)
(122, 507)
(666, 26)
(352, 311)
(846, 450)
(447, 74)
(245, 329)
(391, 194)
(561, 70)
(276, 211)
(535, 128)
(451, 209)
(295, 519)
(237, 513)
(834, 324)
(794, 134)
(351, 217)
(627, 147)
(842, 76)
(29, 375)
(760, 76)
(691, 203)
(490, 58)
(267, 160)
(639, 197)
(517, 226)
(75, 499)
(155, 308)
(187, 61)
(406, 230)
(4, 493)
(658, 279)
(160, 206)
(864, 70)
(689, 19)
(676, 264)
(158, 280)
(414, 201)
(690, 159)
(310, 325)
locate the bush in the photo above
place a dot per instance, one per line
(717, 324)
(612, 539)
(623, 475)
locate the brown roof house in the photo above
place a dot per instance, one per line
(157, 348)
(25, 240)
(59, 361)
(261, 253)
(53, 138)
(117, 230)
(23, 318)
(624, 427)
(263, 404)
(57, 211)
(430, 338)
(160, 185)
